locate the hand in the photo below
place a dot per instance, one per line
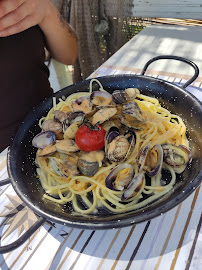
(19, 15)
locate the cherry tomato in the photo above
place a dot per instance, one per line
(90, 138)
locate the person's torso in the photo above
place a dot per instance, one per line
(23, 76)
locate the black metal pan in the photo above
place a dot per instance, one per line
(21, 156)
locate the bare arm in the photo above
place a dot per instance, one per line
(18, 15)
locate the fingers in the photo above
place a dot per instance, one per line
(16, 20)
(8, 6)
(22, 25)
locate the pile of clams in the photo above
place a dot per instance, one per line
(121, 117)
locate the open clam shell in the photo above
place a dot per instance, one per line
(60, 116)
(142, 157)
(119, 177)
(73, 117)
(132, 115)
(82, 104)
(176, 155)
(103, 115)
(101, 98)
(120, 96)
(156, 169)
(133, 187)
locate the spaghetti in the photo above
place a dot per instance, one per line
(153, 129)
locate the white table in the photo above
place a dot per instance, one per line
(185, 41)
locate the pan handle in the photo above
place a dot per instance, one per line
(23, 238)
(173, 57)
(5, 182)
(26, 235)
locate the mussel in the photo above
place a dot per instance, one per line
(119, 177)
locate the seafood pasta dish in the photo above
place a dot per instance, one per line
(117, 152)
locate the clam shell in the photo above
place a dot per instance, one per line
(66, 146)
(87, 168)
(101, 98)
(103, 115)
(43, 139)
(175, 155)
(154, 171)
(120, 96)
(110, 180)
(60, 115)
(132, 114)
(118, 149)
(77, 116)
(133, 187)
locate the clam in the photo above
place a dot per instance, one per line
(176, 156)
(66, 146)
(141, 158)
(132, 92)
(133, 187)
(103, 115)
(190, 157)
(120, 96)
(82, 104)
(101, 98)
(60, 116)
(54, 126)
(87, 168)
(131, 115)
(110, 135)
(47, 151)
(118, 148)
(70, 166)
(89, 163)
(131, 137)
(43, 139)
(119, 177)
(70, 132)
(81, 99)
(154, 167)
(123, 96)
(73, 117)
